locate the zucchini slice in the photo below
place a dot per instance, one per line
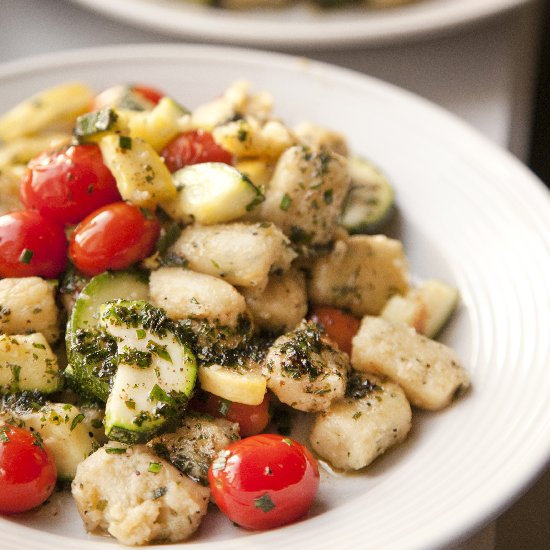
(370, 199)
(212, 192)
(155, 375)
(426, 308)
(91, 353)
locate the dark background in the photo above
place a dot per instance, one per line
(540, 146)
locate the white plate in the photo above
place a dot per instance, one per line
(300, 26)
(470, 214)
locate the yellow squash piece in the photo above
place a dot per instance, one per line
(141, 175)
(47, 110)
(241, 386)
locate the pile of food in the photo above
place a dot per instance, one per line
(175, 287)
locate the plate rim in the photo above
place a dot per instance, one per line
(194, 21)
(536, 188)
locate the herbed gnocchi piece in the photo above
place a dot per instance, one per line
(137, 497)
(211, 282)
(241, 254)
(361, 273)
(373, 416)
(305, 371)
(429, 372)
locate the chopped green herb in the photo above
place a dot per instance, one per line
(214, 263)
(130, 403)
(286, 201)
(38, 346)
(159, 350)
(158, 394)
(125, 142)
(3, 435)
(116, 450)
(264, 503)
(76, 421)
(288, 441)
(154, 467)
(38, 441)
(26, 256)
(140, 333)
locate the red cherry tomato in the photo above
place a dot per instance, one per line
(264, 481)
(113, 237)
(67, 184)
(112, 95)
(150, 94)
(30, 245)
(252, 419)
(340, 327)
(27, 470)
(193, 148)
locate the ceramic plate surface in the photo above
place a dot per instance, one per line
(469, 214)
(300, 26)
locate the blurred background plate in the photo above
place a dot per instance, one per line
(469, 214)
(300, 25)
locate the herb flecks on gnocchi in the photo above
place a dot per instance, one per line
(213, 271)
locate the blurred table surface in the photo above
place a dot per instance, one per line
(484, 73)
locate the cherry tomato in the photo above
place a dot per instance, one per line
(112, 95)
(67, 184)
(252, 419)
(150, 94)
(30, 245)
(113, 237)
(193, 148)
(264, 481)
(27, 470)
(340, 327)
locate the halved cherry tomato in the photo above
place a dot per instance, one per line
(264, 481)
(67, 184)
(193, 148)
(31, 245)
(113, 237)
(340, 327)
(113, 94)
(252, 419)
(27, 470)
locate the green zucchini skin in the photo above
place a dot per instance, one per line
(156, 371)
(370, 200)
(91, 352)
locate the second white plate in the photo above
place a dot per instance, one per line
(300, 26)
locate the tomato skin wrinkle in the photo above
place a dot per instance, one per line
(264, 481)
(69, 183)
(27, 470)
(113, 237)
(31, 245)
